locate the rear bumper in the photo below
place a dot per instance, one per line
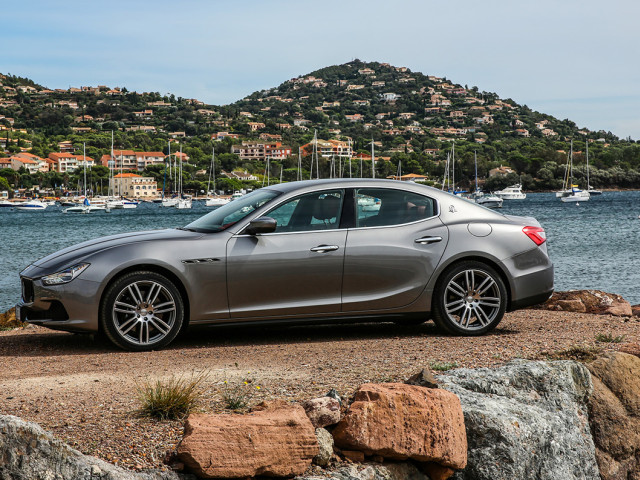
(531, 279)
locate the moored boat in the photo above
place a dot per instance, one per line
(31, 206)
(513, 192)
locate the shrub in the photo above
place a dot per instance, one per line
(443, 366)
(171, 399)
(237, 397)
(609, 338)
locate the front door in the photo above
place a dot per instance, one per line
(297, 270)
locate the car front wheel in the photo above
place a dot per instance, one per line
(470, 299)
(142, 311)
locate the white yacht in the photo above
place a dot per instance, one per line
(513, 192)
(31, 206)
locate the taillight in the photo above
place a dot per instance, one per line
(536, 234)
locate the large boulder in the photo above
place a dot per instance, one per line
(27, 452)
(614, 410)
(399, 421)
(389, 471)
(526, 420)
(276, 439)
(588, 301)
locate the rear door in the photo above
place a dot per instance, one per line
(392, 252)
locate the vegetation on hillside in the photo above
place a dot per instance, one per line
(413, 119)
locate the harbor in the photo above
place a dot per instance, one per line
(584, 258)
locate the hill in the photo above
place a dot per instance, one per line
(412, 118)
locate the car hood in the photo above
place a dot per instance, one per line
(70, 255)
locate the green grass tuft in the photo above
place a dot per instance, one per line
(443, 366)
(609, 338)
(172, 399)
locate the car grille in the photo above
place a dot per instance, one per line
(27, 290)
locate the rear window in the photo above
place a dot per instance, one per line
(377, 207)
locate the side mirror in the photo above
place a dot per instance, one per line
(261, 225)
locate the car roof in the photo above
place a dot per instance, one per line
(347, 183)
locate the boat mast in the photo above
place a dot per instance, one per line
(373, 160)
(299, 174)
(84, 163)
(350, 153)
(112, 186)
(570, 186)
(210, 173)
(588, 186)
(475, 161)
(453, 167)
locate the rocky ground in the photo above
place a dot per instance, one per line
(84, 391)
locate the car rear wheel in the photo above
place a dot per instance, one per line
(142, 311)
(470, 299)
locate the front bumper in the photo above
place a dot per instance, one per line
(71, 307)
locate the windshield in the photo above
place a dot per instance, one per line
(234, 211)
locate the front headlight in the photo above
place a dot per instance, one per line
(65, 276)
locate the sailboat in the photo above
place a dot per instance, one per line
(171, 201)
(489, 201)
(184, 201)
(86, 206)
(575, 195)
(215, 200)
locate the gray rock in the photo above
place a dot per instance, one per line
(424, 378)
(389, 471)
(526, 420)
(27, 452)
(325, 444)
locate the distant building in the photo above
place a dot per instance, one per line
(132, 185)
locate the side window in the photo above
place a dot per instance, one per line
(313, 211)
(377, 207)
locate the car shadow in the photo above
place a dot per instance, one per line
(45, 344)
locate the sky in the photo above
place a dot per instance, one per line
(570, 59)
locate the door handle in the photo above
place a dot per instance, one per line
(427, 240)
(325, 248)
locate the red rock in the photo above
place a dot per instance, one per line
(635, 310)
(589, 301)
(399, 421)
(438, 472)
(354, 456)
(276, 439)
(614, 415)
(323, 411)
(632, 348)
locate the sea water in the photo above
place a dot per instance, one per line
(593, 245)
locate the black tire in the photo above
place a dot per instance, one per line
(470, 299)
(142, 311)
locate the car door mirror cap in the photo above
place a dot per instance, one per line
(261, 225)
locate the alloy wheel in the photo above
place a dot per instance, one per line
(472, 300)
(144, 313)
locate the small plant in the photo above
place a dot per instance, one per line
(581, 353)
(237, 397)
(443, 366)
(171, 399)
(609, 338)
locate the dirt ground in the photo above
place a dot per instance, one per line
(84, 390)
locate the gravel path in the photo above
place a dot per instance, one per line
(84, 390)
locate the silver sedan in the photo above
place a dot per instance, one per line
(313, 251)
